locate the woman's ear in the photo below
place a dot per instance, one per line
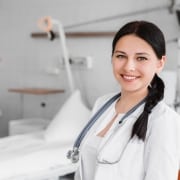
(160, 64)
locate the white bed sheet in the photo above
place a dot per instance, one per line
(29, 157)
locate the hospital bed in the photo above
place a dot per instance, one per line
(41, 155)
(29, 157)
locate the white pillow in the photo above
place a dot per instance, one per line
(69, 121)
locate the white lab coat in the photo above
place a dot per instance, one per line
(157, 158)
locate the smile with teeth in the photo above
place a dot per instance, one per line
(129, 77)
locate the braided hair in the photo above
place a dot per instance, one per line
(156, 93)
(155, 38)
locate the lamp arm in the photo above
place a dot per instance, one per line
(65, 53)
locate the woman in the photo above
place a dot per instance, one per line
(137, 136)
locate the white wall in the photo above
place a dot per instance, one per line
(24, 59)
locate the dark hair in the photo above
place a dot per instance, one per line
(150, 33)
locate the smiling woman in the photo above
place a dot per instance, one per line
(131, 60)
(133, 134)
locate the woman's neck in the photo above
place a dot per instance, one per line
(128, 101)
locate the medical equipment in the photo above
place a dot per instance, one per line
(46, 24)
(73, 154)
(170, 79)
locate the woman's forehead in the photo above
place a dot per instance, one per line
(132, 43)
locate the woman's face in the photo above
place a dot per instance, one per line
(135, 64)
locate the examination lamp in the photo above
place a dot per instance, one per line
(46, 24)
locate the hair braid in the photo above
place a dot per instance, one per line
(156, 93)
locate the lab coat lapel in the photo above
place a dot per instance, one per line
(112, 146)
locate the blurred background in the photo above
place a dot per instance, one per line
(30, 60)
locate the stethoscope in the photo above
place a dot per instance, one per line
(73, 154)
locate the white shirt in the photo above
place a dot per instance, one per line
(89, 157)
(90, 151)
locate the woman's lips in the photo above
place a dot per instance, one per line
(129, 77)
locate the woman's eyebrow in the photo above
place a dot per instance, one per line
(138, 53)
(117, 51)
(142, 53)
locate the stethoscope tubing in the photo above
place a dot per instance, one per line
(74, 154)
(93, 120)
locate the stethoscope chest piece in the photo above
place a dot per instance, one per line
(73, 155)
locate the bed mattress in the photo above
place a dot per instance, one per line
(29, 157)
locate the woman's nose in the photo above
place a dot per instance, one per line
(130, 65)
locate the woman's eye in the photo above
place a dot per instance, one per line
(141, 58)
(120, 56)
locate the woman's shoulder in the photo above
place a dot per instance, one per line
(164, 116)
(164, 110)
(105, 97)
(101, 100)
